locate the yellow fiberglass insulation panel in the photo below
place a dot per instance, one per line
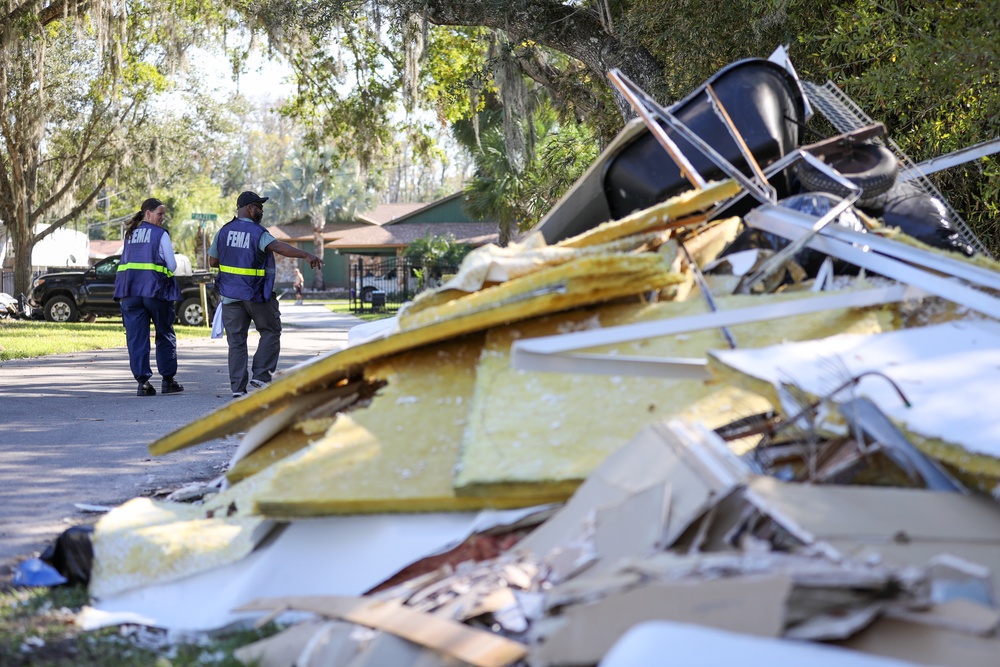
(145, 542)
(409, 438)
(284, 444)
(655, 217)
(536, 434)
(581, 282)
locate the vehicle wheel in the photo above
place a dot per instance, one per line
(366, 294)
(190, 313)
(871, 167)
(61, 309)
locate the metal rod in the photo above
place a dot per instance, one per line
(762, 192)
(723, 115)
(687, 170)
(706, 293)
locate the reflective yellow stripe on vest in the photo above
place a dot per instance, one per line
(146, 267)
(241, 272)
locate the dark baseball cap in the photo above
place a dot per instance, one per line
(247, 198)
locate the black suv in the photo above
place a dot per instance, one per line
(74, 295)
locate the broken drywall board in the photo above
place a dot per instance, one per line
(943, 370)
(564, 352)
(567, 423)
(385, 650)
(397, 454)
(278, 420)
(752, 605)
(925, 645)
(312, 559)
(700, 646)
(476, 647)
(578, 283)
(695, 469)
(876, 515)
(285, 648)
(293, 439)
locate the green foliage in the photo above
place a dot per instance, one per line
(518, 199)
(436, 250)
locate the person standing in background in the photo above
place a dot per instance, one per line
(146, 290)
(243, 251)
(298, 285)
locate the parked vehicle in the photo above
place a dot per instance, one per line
(387, 282)
(84, 295)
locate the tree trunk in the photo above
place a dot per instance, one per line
(22, 266)
(566, 28)
(318, 223)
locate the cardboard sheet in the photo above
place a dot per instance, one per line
(750, 605)
(700, 646)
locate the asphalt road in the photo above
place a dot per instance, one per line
(72, 430)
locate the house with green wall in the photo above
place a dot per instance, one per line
(380, 234)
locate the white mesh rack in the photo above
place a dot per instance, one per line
(845, 115)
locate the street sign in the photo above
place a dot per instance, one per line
(203, 216)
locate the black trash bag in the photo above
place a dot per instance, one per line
(72, 554)
(920, 215)
(813, 203)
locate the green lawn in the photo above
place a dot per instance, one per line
(21, 339)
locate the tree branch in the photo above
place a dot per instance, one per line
(573, 30)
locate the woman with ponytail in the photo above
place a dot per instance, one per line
(145, 289)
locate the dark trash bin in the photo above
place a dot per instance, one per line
(378, 301)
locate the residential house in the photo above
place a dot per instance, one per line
(382, 233)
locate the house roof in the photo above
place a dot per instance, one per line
(422, 207)
(387, 213)
(102, 249)
(304, 231)
(473, 233)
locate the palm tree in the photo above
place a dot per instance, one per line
(317, 187)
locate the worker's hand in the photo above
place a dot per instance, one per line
(315, 262)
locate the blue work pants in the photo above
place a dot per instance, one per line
(137, 313)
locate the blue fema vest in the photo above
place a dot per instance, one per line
(142, 270)
(245, 272)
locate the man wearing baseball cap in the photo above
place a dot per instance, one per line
(243, 251)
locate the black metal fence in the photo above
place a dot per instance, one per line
(384, 285)
(7, 281)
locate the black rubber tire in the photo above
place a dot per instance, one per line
(366, 294)
(61, 309)
(871, 167)
(190, 313)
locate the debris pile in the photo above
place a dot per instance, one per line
(763, 418)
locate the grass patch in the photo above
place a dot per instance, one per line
(367, 315)
(22, 339)
(37, 628)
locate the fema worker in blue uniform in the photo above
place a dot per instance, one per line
(244, 251)
(145, 289)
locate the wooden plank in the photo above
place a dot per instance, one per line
(476, 647)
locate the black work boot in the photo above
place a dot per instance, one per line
(170, 386)
(145, 389)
